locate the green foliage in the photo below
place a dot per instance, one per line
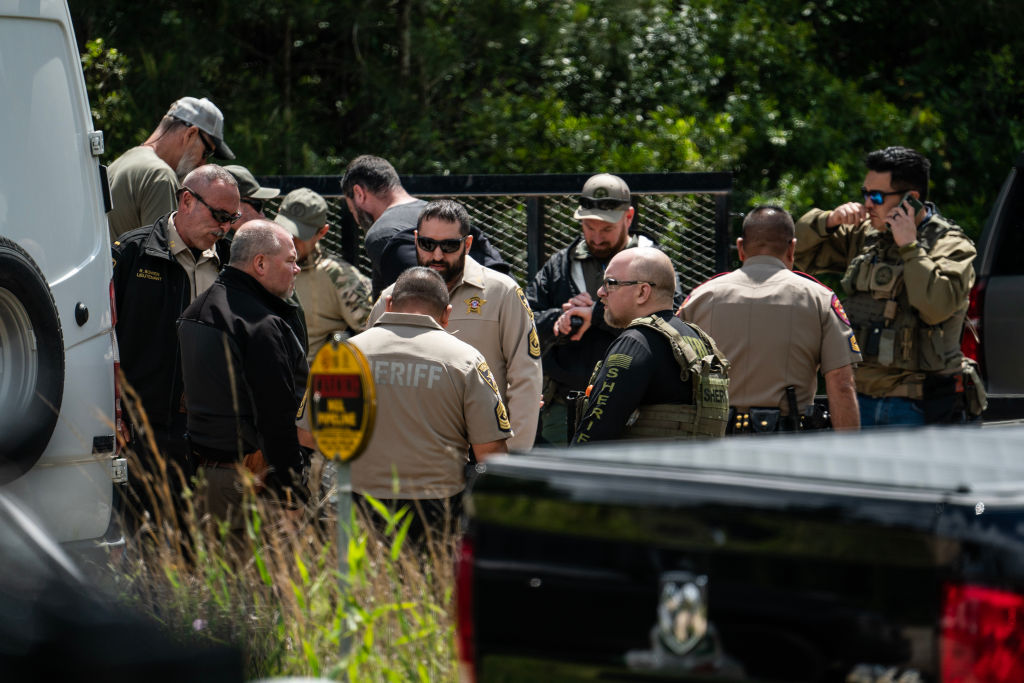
(276, 592)
(789, 95)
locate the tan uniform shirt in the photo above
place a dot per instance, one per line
(142, 188)
(435, 397)
(938, 281)
(335, 297)
(490, 313)
(201, 273)
(776, 328)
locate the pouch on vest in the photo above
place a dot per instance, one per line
(884, 279)
(855, 279)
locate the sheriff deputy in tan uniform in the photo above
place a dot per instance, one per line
(908, 274)
(489, 312)
(435, 399)
(335, 296)
(777, 327)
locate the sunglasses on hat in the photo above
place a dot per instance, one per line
(607, 204)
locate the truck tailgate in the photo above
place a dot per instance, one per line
(771, 569)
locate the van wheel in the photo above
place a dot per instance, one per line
(31, 362)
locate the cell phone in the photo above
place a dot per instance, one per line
(911, 201)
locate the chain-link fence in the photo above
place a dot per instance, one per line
(529, 217)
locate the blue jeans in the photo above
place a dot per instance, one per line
(876, 412)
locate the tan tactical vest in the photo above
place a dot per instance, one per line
(889, 331)
(701, 362)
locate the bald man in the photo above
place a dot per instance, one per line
(778, 327)
(245, 373)
(650, 384)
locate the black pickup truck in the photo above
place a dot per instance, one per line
(892, 556)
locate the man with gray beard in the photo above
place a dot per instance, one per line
(144, 181)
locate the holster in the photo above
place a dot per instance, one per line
(576, 402)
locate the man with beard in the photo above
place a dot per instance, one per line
(661, 378)
(158, 271)
(381, 206)
(566, 288)
(144, 181)
(489, 312)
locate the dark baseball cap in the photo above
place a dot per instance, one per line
(248, 188)
(204, 115)
(605, 197)
(303, 213)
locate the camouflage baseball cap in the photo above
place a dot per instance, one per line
(605, 197)
(248, 188)
(303, 212)
(204, 115)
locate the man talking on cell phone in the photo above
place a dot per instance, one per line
(907, 273)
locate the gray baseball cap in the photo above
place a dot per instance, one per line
(605, 197)
(303, 213)
(204, 115)
(248, 188)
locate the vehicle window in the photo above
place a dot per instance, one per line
(1010, 246)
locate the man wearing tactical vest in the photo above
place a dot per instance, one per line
(908, 273)
(661, 378)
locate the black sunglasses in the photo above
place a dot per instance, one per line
(256, 204)
(219, 215)
(877, 196)
(602, 204)
(208, 147)
(447, 246)
(611, 283)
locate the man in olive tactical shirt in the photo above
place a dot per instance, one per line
(908, 274)
(661, 378)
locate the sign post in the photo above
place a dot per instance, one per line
(342, 409)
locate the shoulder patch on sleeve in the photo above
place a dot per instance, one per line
(837, 306)
(486, 376)
(522, 298)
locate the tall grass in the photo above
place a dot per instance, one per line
(276, 591)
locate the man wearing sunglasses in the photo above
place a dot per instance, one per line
(158, 271)
(253, 197)
(908, 273)
(144, 181)
(566, 289)
(777, 328)
(388, 213)
(661, 378)
(489, 312)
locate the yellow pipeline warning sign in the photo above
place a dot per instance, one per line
(342, 401)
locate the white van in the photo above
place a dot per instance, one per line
(57, 350)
